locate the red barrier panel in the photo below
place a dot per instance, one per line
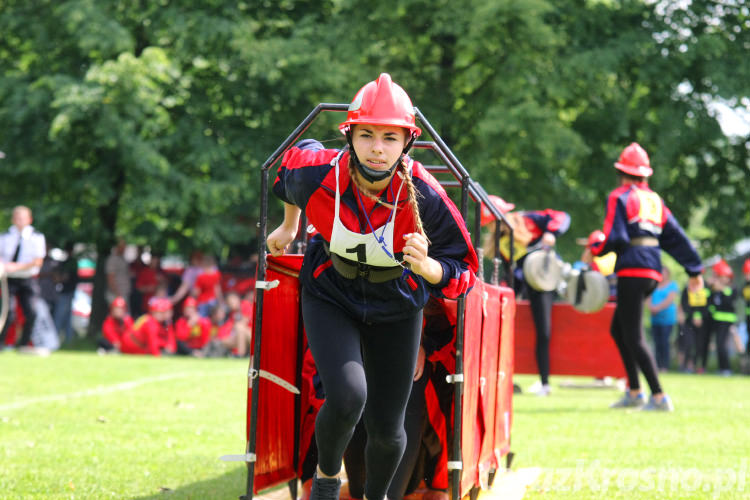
(488, 377)
(580, 343)
(504, 413)
(471, 422)
(276, 426)
(488, 382)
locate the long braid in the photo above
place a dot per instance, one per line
(413, 194)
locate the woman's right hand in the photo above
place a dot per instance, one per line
(278, 241)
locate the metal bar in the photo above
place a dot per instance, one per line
(255, 358)
(443, 147)
(437, 168)
(450, 184)
(458, 399)
(300, 130)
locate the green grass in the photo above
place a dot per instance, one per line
(78, 425)
(588, 451)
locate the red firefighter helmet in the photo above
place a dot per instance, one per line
(159, 304)
(721, 268)
(501, 205)
(746, 267)
(382, 102)
(596, 237)
(118, 302)
(634, 161)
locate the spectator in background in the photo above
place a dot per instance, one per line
(192, 331)
(746, 298)
(66, 277)
(148, 279)
(118, 273)
(693, 319)
(663, 307)
(152, 332)
(721, 306)
(118, 324)
(46, 280)
(232, 329)
(22, 251)
(137, 305)
(208, 286)
(189, 275)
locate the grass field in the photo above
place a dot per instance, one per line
(78, 425)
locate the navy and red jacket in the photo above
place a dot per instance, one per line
(635, 211)
(306, 178)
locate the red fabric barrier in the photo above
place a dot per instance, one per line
(471, 422)
(504, 412)
(488, 375)
(276, 426)
(580, 343)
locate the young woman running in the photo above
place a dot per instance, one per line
(387, 237)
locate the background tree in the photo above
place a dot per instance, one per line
(149, 120)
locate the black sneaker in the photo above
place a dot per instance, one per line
(325, 488)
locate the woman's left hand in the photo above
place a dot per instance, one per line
(415, 253)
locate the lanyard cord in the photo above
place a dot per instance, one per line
(380, 239)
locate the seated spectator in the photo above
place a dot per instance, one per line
(192, 331)
(208, 286)
(117, 325)
(232, 336)
(152, 333)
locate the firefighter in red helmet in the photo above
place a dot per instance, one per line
(722, 309)
(532, 229)
(637, 225)
(387, 238)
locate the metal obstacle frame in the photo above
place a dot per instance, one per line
(469, 189)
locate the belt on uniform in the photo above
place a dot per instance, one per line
(644, 241)
(350, 269)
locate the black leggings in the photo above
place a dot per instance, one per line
(414, 426)
(627, 330)
(24, 289)
(367, 371)
(722, 343)
(541, 311)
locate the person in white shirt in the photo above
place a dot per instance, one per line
(22, 250)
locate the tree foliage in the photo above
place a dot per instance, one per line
(150, 119)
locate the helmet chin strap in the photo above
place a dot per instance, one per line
(370, 174)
